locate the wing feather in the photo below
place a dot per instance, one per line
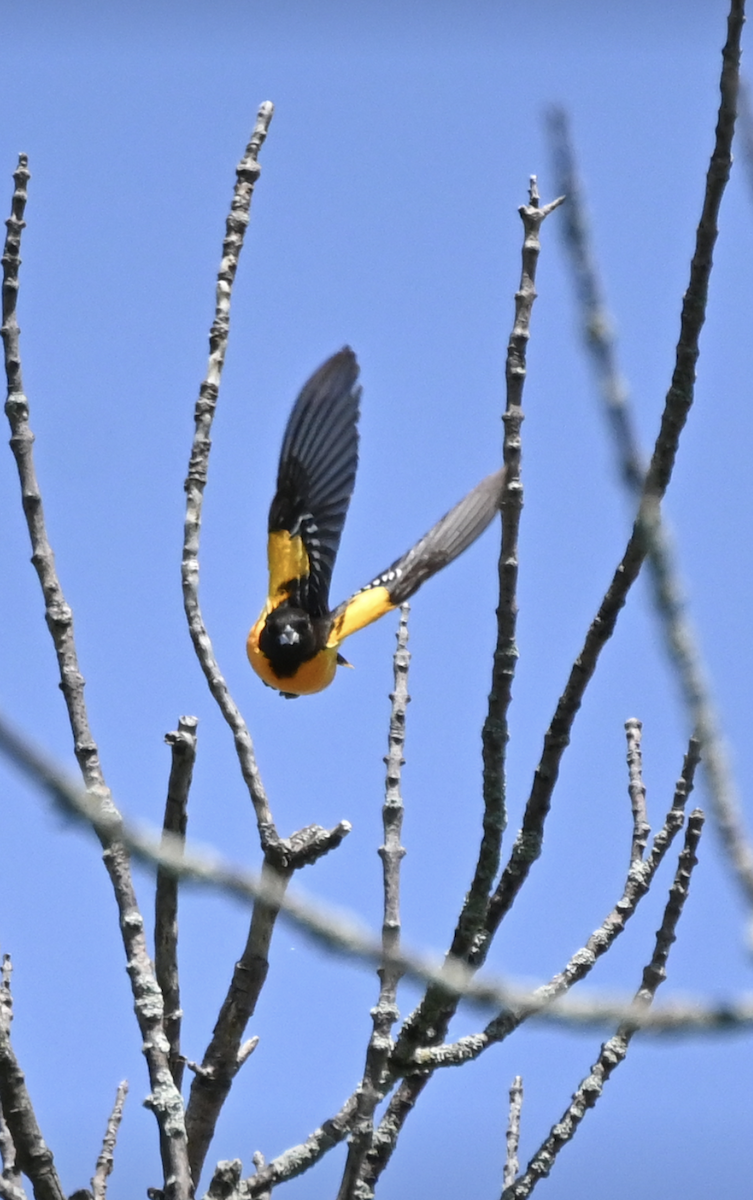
(443, 543)
(316, 475)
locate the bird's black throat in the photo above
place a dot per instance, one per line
(289, 639)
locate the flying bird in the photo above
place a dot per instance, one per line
(294, 645)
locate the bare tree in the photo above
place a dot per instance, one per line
(401, 1057)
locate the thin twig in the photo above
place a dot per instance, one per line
(495, 733)
(679, 399)
(637, 789)
(282, 855)
(429, 1021)
(31, 1156)
(164, 1100)
(614, 1051)
(376, 1076)
(247, 172)
(11, 1187)
(106, 1160)
(225, 1183)
(342, 933)
(300, 1158)
(223, 1057)
(640, 876)
(183, 746)
(6, 996)
(226, 1053)
(680, 638)
(10, 1181)
(513, 1131)
(286, 1166)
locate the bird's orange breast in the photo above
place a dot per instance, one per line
(312, 676)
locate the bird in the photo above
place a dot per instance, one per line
(294, 645)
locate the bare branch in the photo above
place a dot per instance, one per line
(31, 1154)
(639, 879)
(680, 638)
(614, 1051)
(294, 1161)
(225, 1181)
(164, 1100)
(183, 745)
(106, 1160)
(223, 1059)
(430, 1020)
(282, 856)
(248, 172)
(637, 790)
(247, 1050)
(57, 612)
(513, 1131)
(6, 996)
(495, 733)
(342, 933)
(260, 1162)
(10, 1179)
(225, 1054)
(527, 847)
(376, 1077)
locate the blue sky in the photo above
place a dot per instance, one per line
(385, 218)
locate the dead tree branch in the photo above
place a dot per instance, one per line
(10, 1180)
(637, 789)
(164, 1100)
(248, 172)
(106, 1160)
(679, 399)
(640, 876)
(495, 733)
(31, 1155)
(614, 1051)
(11, 1187)
(376, 1077)
(282, 856)
(513, 1131)
(429, 1021)
(680, 638)
(183, 748)
(223, 1057)
(338, 932)
(293, 1162)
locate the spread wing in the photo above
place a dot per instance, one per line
(444, 542)
(315, 480)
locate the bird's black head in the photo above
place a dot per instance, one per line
(288, 639)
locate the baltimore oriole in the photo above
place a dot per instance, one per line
(294, 644)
